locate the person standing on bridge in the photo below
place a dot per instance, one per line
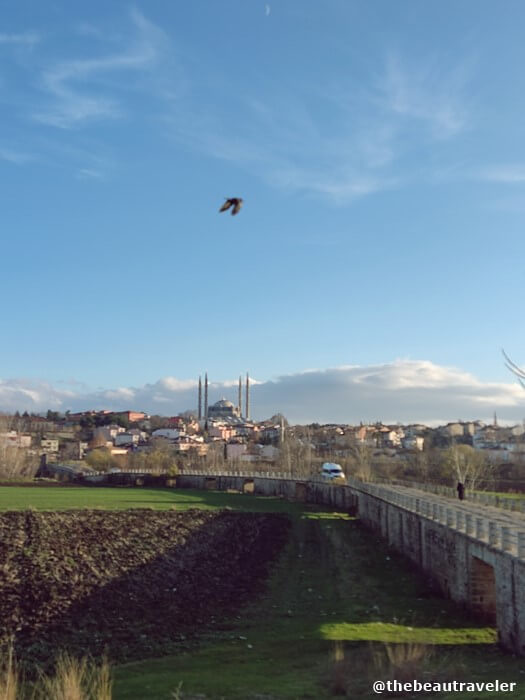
(461, 490)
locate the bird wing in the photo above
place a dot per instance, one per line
(227, 204)
(237, 207)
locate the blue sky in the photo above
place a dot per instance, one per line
(379, 149)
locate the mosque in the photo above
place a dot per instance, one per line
(223, 409)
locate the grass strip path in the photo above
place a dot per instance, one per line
(336, 592)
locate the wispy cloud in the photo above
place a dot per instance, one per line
(286, 146)
(403, 390)
(280, 134)
(427, 91)
(24, 38)
(341, 185)
(283, 138)
(506, 174)
(15, 157)
(89, 174)
(66, 81)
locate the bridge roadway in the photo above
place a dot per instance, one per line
(502, 529)
(512, 518)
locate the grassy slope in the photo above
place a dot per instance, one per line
(335, 587)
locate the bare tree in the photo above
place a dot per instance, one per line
(296, 456)
(516, 371)
(468, 466)
(362, 459)
(214, 459)
(15, 461)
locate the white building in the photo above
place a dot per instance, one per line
(168, 433)
(108, 433)
(413, 442)
(49, 445)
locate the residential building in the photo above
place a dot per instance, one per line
(49, 445)
(12, 438)
(413, 442)
(221, 431)
(234, 450)
(126, 439)
(131, 416)
(107, 433)
(452, 430)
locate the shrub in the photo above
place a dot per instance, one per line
(73, 679)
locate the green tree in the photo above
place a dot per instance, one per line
(117, 420)
(100, 459)
(161, 460)
(87, 422)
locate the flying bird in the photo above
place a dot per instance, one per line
(235, 203)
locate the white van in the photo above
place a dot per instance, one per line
(331, 471)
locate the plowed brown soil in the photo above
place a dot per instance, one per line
(129, 584)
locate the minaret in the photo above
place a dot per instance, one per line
(200, 399)
(247, 407)
(206, 396)
(240, 396)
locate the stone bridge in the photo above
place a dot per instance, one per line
(473, 553)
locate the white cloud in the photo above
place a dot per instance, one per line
(31, 395)
(403, 390)
(173, 384)
(122, 394)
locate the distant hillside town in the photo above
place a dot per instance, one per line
(222, 435)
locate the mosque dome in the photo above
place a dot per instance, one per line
(223, 403)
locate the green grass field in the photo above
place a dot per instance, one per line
(334, 599)
(71, 497)
(504, 494)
